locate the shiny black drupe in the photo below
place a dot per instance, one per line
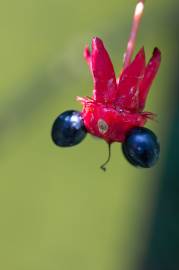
(141, 147)
(68, 129)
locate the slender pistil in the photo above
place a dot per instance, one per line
(133, 34)
(103, 166)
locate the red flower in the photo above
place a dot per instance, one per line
(115, 111)
(117, 105)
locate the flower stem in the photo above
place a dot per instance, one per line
(103, 166)
(133, 34)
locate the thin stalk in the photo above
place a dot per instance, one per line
(103, 166)
(139, 9)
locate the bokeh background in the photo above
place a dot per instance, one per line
(58, 210)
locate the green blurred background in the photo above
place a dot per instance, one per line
(58, 209)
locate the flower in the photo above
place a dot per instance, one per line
(117, 105)
(115, 112)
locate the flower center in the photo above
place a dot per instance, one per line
(102, 126)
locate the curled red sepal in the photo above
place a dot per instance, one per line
(149, 75)
(117, 105)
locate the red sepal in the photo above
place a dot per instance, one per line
(128, 83)
(149, 75)
(105, 88)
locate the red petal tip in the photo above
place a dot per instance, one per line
(142, 50)
(97, 43)
(141, 53)
(87, 52)
(157, 54)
